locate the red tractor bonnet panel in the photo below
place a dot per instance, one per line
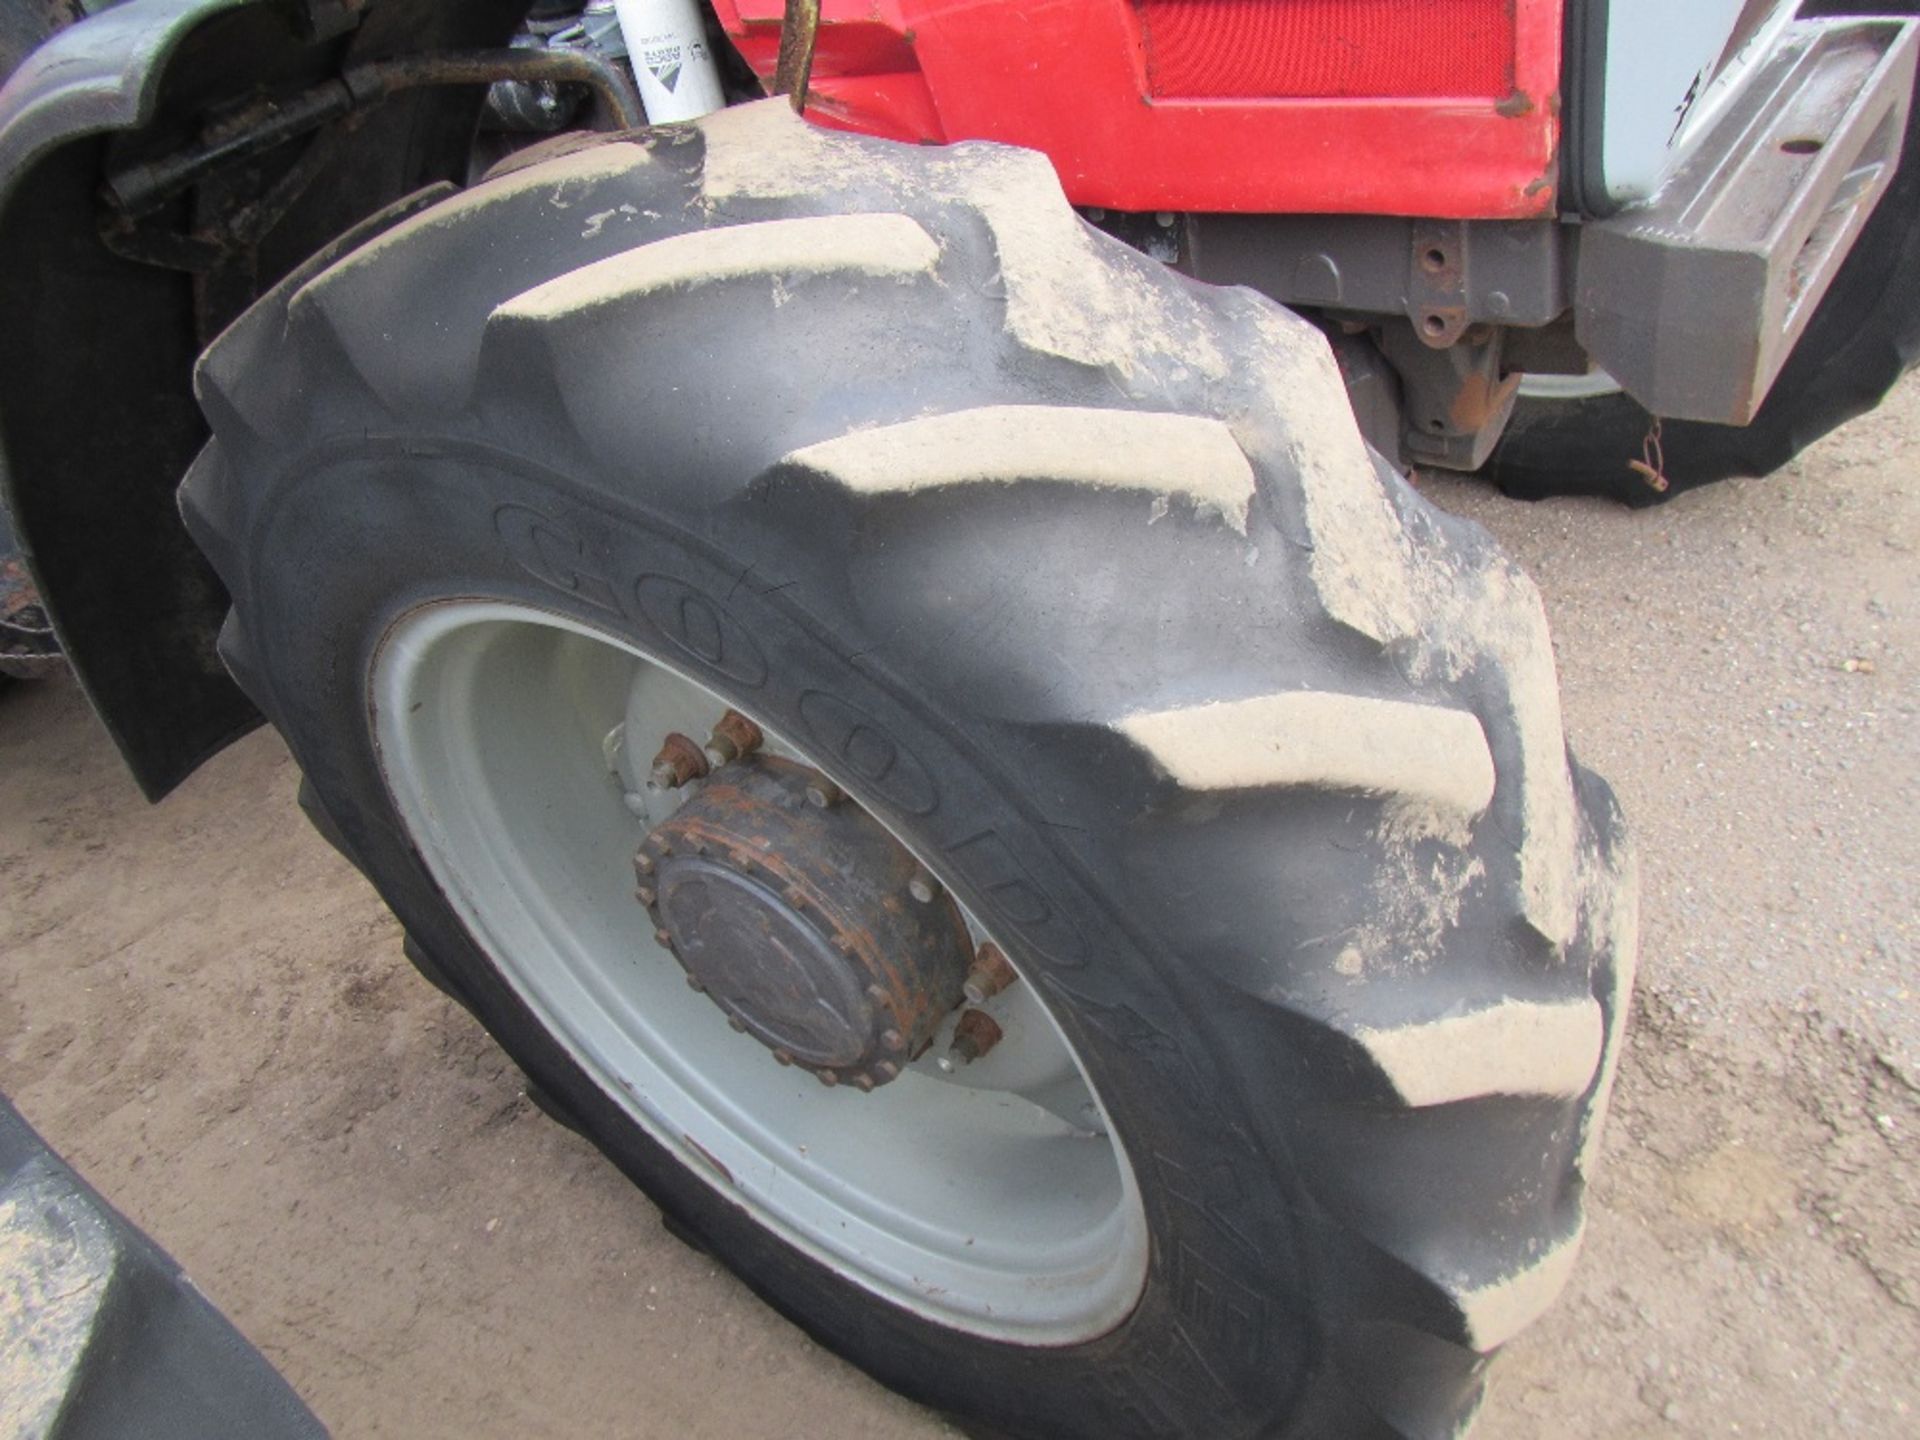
(1408, 107)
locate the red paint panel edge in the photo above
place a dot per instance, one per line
(1069, 79)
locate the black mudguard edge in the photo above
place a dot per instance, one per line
(97, 427)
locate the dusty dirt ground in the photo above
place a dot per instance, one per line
(208, 1013)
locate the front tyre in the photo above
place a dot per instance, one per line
(1077, 580)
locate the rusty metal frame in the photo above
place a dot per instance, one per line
(799, 32)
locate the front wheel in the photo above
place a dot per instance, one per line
(932, 742)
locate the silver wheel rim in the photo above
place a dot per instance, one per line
(996, 1200)
(1590, 386)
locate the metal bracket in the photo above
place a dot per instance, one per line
(1443, 275)
(1437, 281)
(1456, 400)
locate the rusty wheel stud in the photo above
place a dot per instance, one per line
(923, 887)
(988, 976)
(733, 737)
(643, 864)
(823, 794)
(976, 1034)
(679, 761)
(737, 1023)
(828, 1078)
(644, 894)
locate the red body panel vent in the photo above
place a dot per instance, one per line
(1275, 49)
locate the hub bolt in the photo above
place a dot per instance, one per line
(988, 976)
(679, 761)
(733, 738)
(823, 794)
(923, 887)
(976, 1034)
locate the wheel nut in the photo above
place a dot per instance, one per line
(828, 1078)
(988, 976)
(823, 794)
(783, 1057)
(733, 738)
(643, 864)
(863, 1082)
(976, 1034)
(737, 1023)
(679, 761)
(645, 894)
(893, 1040)
(662, 937)
(695, 984)
(923, 887)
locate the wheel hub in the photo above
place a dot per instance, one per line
(800, 921)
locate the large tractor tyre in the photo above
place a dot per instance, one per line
(1065, 593)
(1862, 338)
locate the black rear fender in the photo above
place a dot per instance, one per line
(97, 417)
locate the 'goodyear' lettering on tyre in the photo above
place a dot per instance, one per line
(868, 751)
(550, 552)
(691, 622)
(701, 627)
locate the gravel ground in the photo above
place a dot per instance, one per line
(207, 1012)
